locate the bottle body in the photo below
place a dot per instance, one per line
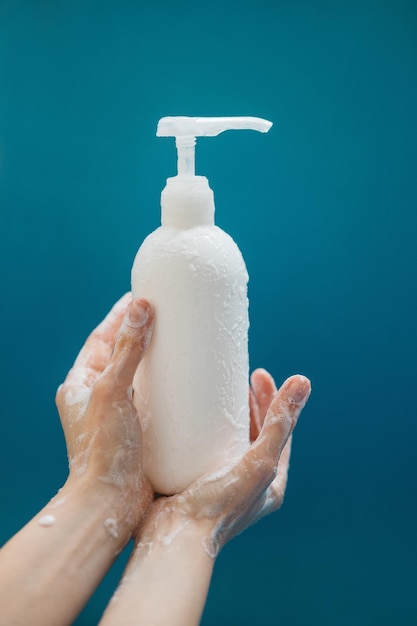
(191, 389)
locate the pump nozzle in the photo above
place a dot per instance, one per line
(186, 129)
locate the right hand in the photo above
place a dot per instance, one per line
(226, 502)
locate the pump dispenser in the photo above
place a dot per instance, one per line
(191, 388)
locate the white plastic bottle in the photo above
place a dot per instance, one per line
(191, 389)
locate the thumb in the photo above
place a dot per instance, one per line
(134, 338)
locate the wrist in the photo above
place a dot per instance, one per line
(69, 544)
(167, 527)
(169, 561)
(110, 510)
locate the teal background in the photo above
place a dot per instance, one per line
(324, 211)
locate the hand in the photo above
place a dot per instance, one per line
(174, 555)
(95, 405)
(231, 499)
(66, 549)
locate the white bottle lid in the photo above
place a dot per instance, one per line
(187, 199)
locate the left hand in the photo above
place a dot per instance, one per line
(95, 405)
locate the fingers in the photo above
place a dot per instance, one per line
(255, 418)
(283, 414)
(134, 337)
(274, 495)
(263, 456)
(264, 388)
(96, 352)
(260, 397)
(276, 490)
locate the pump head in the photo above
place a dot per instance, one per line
(187, 200)
(186, 129)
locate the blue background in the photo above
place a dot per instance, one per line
(324, 210)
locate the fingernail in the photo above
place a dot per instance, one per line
(297, 389)
(139, 312)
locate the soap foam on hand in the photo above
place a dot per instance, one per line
(191, 388)
(47, 520)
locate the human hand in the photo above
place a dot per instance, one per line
(182, 534)
(226, 502)
(71, 543)
(100, 423)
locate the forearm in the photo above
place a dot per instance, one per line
(51, 567)
(167, 578)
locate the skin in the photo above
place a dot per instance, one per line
(181, 535)
(48, 572)
(57, 560)
(96, 408)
